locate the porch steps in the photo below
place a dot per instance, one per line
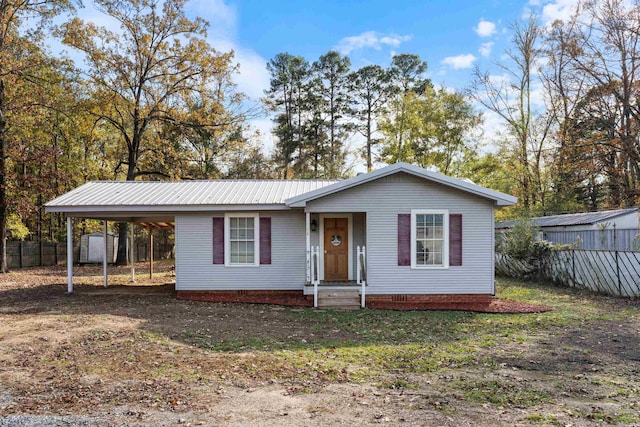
(339, 299)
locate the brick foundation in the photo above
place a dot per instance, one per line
(291, 298)
(429, 302)
(297, 299)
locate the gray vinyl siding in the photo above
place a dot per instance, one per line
(315, 235)
(359, 237)
(194, 256)
(383, 200)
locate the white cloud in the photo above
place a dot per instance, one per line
(394, 40)
(370, 39)
(555, 10)
(485, 49)
(485, 28)
(492, 126)
(264, 126)
(558, 10)
(526, 13)
(499, 79)
(221, 16)
(253, 77)
(460, 61)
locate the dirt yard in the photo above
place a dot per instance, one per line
(138, 356)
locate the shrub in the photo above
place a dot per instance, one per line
(521, 242)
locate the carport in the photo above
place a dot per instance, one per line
(107, 202)
(147, 223)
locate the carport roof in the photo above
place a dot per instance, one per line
(180, 196)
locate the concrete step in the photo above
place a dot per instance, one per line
(338, 294)
(338, 299)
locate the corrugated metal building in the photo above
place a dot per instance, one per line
(616, 229)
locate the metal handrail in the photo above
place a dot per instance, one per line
(362, 273)
(315, 267)
(363, 267)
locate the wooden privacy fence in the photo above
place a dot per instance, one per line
(614, 273)
(36, 254)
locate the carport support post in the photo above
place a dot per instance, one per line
(133, 255)
(69, 255)
(308, 234)
(104, 255)
(150, 252)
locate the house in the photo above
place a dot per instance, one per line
(401, 236)
(611, 229)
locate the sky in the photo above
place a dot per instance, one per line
(452, 36)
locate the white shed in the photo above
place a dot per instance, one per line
(92, 248)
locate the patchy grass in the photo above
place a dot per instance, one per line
(505, 394)
(543, 419)
(153, 354)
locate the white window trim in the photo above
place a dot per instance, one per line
(445, 238)
(227, 238)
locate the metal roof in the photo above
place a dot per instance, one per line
(501, 199)
(586, 218)
(158, 202)
(183, 193)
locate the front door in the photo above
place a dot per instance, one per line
(336, 249)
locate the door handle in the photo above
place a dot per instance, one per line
(325, 252)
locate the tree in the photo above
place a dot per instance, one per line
(510, 97)
(564, 85)
(285, 97)
(145, 71)
(407, 79)
(435, 126)
(181, 150)
(330, 83)
(250, 162)
(601, 44)
(42, 115)
(370, 89)
(14, 70)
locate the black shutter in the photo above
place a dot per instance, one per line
(218, 240)
(265, 240)
(455, 239)
(404, 239)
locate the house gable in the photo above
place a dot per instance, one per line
(500, 199)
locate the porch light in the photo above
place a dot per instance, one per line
(314, 225)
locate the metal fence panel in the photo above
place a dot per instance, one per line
(614, 273)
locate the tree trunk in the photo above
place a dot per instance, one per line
(369, 163)
(3, 188)
(123, 227)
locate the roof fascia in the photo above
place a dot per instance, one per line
(167, 209)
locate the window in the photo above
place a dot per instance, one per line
(429, 239)
(242, 239)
